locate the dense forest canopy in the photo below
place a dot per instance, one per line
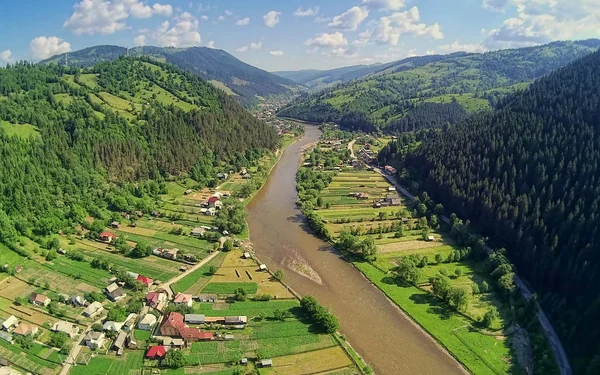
(474, 81)
(528, 176)
(246, 81)
(74, 143)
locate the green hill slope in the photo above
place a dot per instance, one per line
(73, 142)
(527, 176)
(475, 81)
(245, 80)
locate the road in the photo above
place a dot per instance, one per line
(167, 285)
(351, 148)
(72, 357)
(557, 348)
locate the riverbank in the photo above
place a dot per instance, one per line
(377, 329)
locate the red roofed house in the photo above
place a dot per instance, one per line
(212, 201)
(144, 280)
(183, 299)
(173, 325)
(39, 299)
(156, 352)
(390, 170)
(108, 237)
(153, 299)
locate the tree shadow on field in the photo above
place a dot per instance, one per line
(436, 306)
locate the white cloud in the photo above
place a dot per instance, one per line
(321, 19)
(6, 56)
(325, 40)
(139, 41)
(253, 45)
(228, 12)
(308, 12)
(391, 27)
(456, 47)
(184, 33)
(276, 53)
(43, 47)
(243, 21)
(541, 21)
(204, 18)
(272, 18)
(109, 16)
(350, 19)
(210, 44)
(497, 5)
(221, 18)
(384, 4)
(346, 53)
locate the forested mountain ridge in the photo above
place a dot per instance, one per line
(245, 81)
(527, 176)
(475, 81)
(74, 143)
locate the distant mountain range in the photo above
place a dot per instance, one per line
(384, 95)
(235, 77)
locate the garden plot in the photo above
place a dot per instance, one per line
(318, 361)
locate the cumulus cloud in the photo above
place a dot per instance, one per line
(541, 21)
(210, 44)
(390, 28)
(139, 41)
(243, 21)
(497, 5)
(325, 40)
(43, 47)
(276, 53)
(456, 47)
(204, 18)
(350, 19)
(272, 18)
(6, 56)
(109, 16)
(254, 45)
(308, 12)
(183, 33)
(384, 4)
(221, 18)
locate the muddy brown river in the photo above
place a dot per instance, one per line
(376, 328)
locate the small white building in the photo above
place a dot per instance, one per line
(10, 323)
(147, 322)
(93, 309)
(112, 326)
(69, 328)
(94, 340)
(430, 238)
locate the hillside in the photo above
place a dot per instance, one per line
(475, 81)
(244, 81)
(76, 142)
(527, 177)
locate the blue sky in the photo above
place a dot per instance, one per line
(294, 34)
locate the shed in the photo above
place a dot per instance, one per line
(244, 361)
(195, 318)
(266, 363)
(9, 323)
(6, 337)
(262, 267)
(430, 238)
(246, 255)
(206, 298)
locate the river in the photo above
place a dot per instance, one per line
(388, 340)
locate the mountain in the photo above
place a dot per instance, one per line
(320, 79)
(527, 176)
(235, 77)
(475, 81)
(74, 143)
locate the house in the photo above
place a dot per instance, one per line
(197, 232)
(183, 299)
(156, 352)
(188, 192)
(262, 267)
(153, 299)
(25, 329)
(247, 176)
(266, 363)
(62, 251)
(147, 322)
(130, 342)
(69, 328)
(93, 309)
(119, 343)
(132, 275)
(10, 323)
(144, 280)
(194, 318)
(210, 212)
(130, 322)
(174, 343)
(108, 237)
(115, 225)
(212, 201)
(244, 361)
(206, 298)
(125, 215)
(112, 326)
(94, 340)
(174, 325)
(228, 337)
(139, 213)
(393, 200)
(430, 238)
(362, 196)
(195, 334)
(391, 188)
(155, 214)
(166, 253)
(390, 170)
(114, 292)
(6, 337)
(39, 299)
(236, 320)
(243, 171)
(78, 300)
(246, 255)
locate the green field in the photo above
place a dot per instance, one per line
(111, 365)
(19, 130)
(198, 278)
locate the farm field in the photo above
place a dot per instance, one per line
(19, 130)
(339, 212)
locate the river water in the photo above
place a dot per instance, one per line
(376, 328)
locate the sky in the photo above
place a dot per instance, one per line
(294, 34)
